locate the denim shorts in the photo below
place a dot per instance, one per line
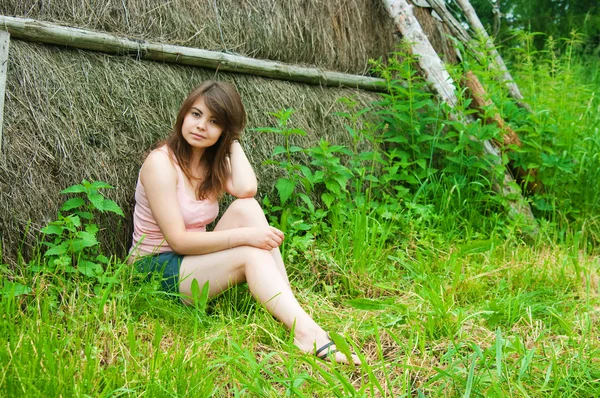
(166, 264)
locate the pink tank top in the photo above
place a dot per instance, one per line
(197, 214)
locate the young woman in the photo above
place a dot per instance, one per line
(176, 197)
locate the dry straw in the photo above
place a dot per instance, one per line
(339, 35)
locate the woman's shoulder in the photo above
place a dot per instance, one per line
(159, 161)
(161, 155)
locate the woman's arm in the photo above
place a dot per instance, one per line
(159, 178)
(242, 181)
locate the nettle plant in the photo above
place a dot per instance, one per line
(406, 160)
(71, 240)
(308, 191)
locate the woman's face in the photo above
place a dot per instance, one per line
(200, 129)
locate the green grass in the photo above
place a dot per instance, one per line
(434, 288)
(496, 319)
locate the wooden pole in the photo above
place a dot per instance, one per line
(526, 178)
(477, 26)
(481, 103)
(4, 42)
(436, 74)
(433, 67)
(461, 34)
(44, 32)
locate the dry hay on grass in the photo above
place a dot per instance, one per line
(71, 115)
(340, 35)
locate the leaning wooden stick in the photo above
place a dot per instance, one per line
(436, 74)
(481, 102)
(477, 26)
(485, 106)
(459, 32)
(4, 42)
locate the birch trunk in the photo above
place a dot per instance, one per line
(436, 74)
(433, 67)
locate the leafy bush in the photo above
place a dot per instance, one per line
(71, 240)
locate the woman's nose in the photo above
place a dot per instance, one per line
(201, 123)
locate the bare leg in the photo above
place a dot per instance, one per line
(248, 213)
(264, 272)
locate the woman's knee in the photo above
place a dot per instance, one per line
(245, 204)
(246, 209)
(256, 257)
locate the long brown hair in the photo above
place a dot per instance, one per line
(226, 106)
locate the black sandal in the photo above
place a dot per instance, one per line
(325, 347)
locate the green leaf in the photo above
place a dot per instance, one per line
(89, 268)
(308, 202)
(267, 129)
(63, 261)
(200, 297)
(14, 289)
(102, 259)
(398, 139)
(294, 149)
(369, 304)
(86, 215)
(328, 198)
(475, 246)
(334, 187)
(112, 207)
(97, 200)
(296, 132)
(158, 333)
(302, 226)
(74, 221)
(285, 187)
(308, 174)
(72, 204)
(92, 229)
(74, 189)
(56, 250)
(52, 230)
(341, 345)
(278, 150)
(204, 296)
(100, 185)
(87, 239)
(195, 290)
(342, 180)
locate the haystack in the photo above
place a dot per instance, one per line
(339, 35)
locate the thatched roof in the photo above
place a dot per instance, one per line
(338, 35)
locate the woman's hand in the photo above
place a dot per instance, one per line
(266, 238)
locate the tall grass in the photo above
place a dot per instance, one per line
(563, 130)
